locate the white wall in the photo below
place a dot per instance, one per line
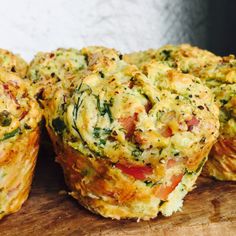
(28, 26)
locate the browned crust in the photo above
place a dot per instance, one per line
(119, 192)
(19, 171)
(74, 163)
(222, 160)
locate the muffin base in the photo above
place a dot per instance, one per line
(17, 163)
(137, 203)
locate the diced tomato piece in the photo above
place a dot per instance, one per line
(138, 138)
(162, 191)
(138, 172)
(191, 123)
(166, 132)
(171, 163)
(129, 124)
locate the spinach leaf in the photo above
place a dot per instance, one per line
(98, 132)
(11, 134)
(105, 108)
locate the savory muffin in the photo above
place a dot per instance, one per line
(131, 143)
(222, 159)
(49, 70)
(13, 63)
(19, 141)
(219, 74)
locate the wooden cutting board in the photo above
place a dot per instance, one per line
(210, 209)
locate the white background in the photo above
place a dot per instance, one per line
(28, 26)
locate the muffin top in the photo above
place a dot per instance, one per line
(150, 117)
(19, 113)
(213, 69)
(13, 63)
(52, 69)
(218, 73)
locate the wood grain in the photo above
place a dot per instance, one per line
(210, 209)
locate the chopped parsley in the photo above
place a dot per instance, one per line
(105, 108)
(137, 152)
(98, 132)
(11, 134)
(58, 125)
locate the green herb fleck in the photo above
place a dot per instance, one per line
(105, 109)
(102, 142)
(107, 131)
(159, 115)
(166, 54)
(58, 125)
(96, 132)
(11, 134)
(201, 164)
(80, 90)
(5, 119)
(149, 183)
(137, 152)
(198, 168)
(223, 101)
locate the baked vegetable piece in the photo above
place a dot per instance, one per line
(219, 74)
(13, 63)
(131, 143)
(19, 141)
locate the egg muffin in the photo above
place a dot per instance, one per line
(13, 63)
(19, 141)
(49, 70)
(131, 143)
(219, 74)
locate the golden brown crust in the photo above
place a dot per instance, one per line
(101, 188)
(222, 160)
(13, 63)
(17, 174)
